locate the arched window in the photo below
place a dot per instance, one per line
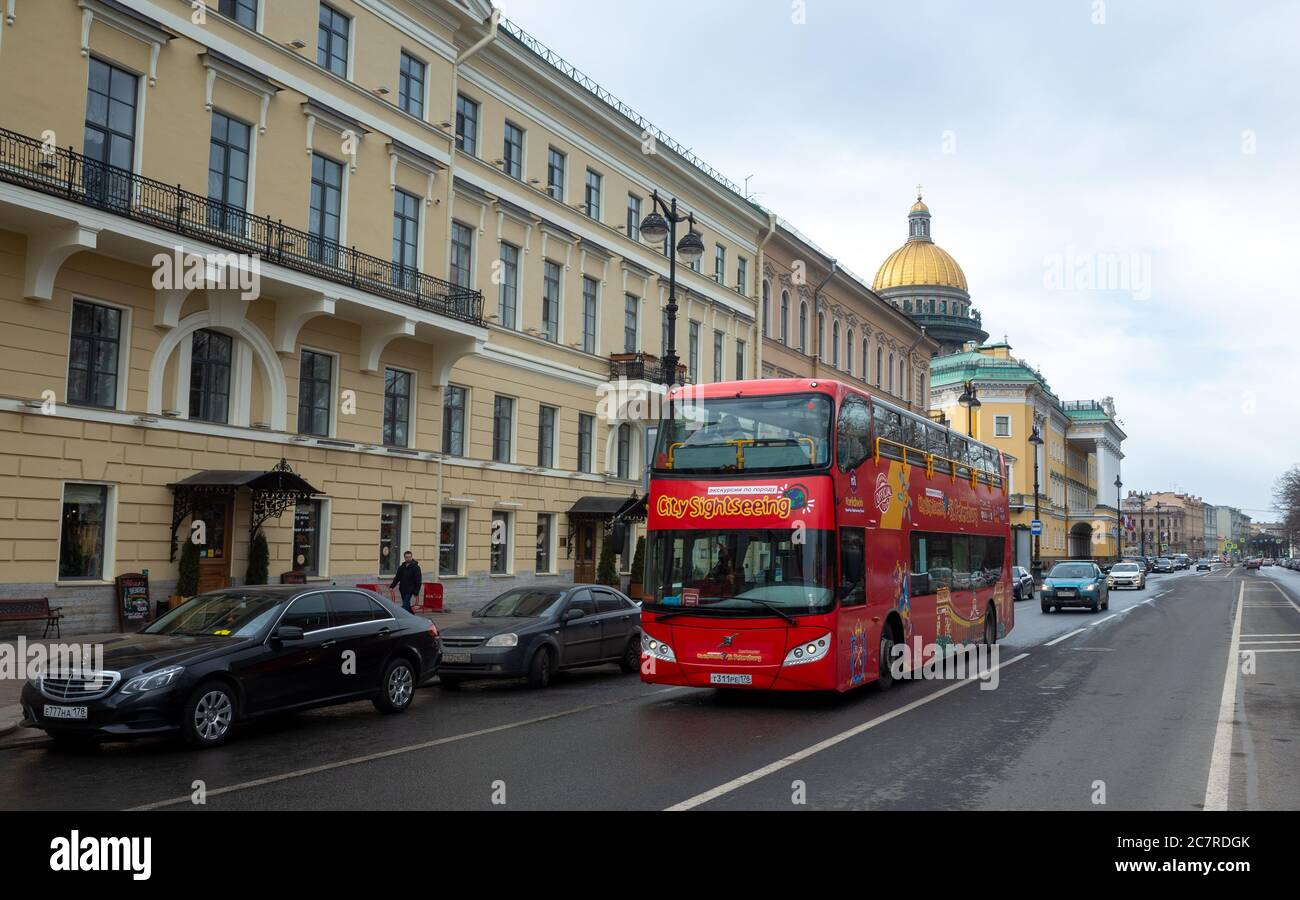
(866, 359)
(848, 352)
(785, 318)
(880, 364)
(821, 336)
(803, 327)
(890, 388)
(767, 298)
(624, 450)
(902, 378)
(835, 345)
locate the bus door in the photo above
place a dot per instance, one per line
(854, 636)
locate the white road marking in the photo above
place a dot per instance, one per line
(1244, 643)
(1216, 788)
(397, 751)
(1284, 634)
(1278, 650)
(1065, 637)
(799, 756)
(1107, 619)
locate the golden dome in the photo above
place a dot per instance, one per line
(922, 263)
(919, 206)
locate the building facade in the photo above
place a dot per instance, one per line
(1168, 523)
(354, 274)
(1077, 463)
(819, 320)
(926, 283)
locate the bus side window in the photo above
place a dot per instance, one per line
(853, 433)
(853, 566)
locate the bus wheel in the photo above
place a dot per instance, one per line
(990, 626)
(885, 680)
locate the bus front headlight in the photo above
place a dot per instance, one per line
(809, 651)
(656, 648)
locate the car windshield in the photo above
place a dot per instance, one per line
(232, 614)
(1125, 567)
(1162, 560)
(740, 572)
(527, 603)
(745, 433)
(1071, 570)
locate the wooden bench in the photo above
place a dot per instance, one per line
(33, 610)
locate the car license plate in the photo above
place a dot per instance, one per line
(726, 678)
(455, 657)
(66, 712)
(1066, 592)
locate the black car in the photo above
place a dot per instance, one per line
(537, 631)
(1022, 584)
(236, 654)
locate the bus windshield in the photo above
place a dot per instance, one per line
(741, 573)
(790, 431)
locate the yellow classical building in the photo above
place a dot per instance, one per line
(356, 273)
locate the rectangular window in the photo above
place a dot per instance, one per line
(410, 85)
(719, 264)
(109, 137)
(390, 538)
(623, 452)
(740, 360)
(593, 194)
(503, 423)
(853, 566)
(546, 436)
(466, 125)
(693, 353)
(742, 275)
(634, 217)
(228, 173)
(397, 408)
(210, 358)
(243, 12)
(586, 441)
(453, 420)
(326, 213)
(545, 527)
(83, 534)
(509, 294)
(332, 40)
(551, 300)
(556, 163)
(462, 252)
(1002, 426)
(631, 306)
(717, 355)
(449, 542)
(93, 355)
(315, 393)
(307, 537)
(406, 240)
(499, 537)
(513, 152)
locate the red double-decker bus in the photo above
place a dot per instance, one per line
(800, 529)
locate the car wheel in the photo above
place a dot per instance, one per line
(631, 661)
(885, 680)
(448, 683)
(990, 626)
(397, 689)
(1046, 607)
(539, 670)
(208, 715)
(1095, 606)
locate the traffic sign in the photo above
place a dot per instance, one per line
(1036, 527)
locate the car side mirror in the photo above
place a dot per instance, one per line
(288, 633)
(572, 614)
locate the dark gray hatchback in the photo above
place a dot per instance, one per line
(535, 632)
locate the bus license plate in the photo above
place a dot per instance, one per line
(726, 678)
(66, 712)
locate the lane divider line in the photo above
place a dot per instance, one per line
(1216, 787)
(799, 756)
(398, 751)
(1065, 637)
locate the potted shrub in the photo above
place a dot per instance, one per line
(635, 580)
(187, 576)
(606, 569)
(259, 560)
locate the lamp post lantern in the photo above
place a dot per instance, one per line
(1036, 441)
(969, 400)
(658, 226)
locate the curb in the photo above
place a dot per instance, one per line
(10, 716)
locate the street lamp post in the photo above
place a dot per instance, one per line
(1119, 519)
(969, 400)
(660, 225)
(1160, 535)
(1036, 441)
(1142, 525)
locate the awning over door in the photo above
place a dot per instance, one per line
(272, 492)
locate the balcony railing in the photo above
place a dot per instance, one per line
(642, 367)
(65, 173)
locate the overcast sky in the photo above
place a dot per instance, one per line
(1165, 136)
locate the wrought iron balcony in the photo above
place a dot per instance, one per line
(65, 173)
(642, 367)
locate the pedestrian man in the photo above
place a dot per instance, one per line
(408, 579)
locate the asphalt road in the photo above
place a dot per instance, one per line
(1126, 706)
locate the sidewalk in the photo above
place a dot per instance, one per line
(11, 687)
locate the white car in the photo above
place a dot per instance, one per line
(1129, 575)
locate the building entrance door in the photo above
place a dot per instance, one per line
(584, 555)
(214, 553)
